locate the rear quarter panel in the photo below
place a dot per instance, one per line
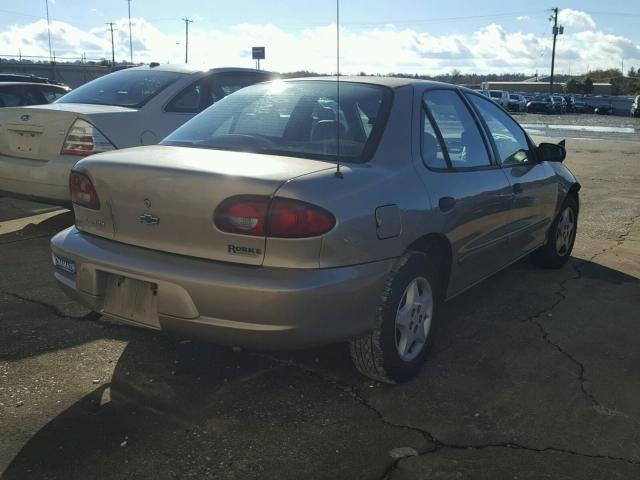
(389, 178)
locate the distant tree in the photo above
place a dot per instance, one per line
(632, 73)
(588, 86)
(574, 86)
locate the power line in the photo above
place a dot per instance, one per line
(186, 21)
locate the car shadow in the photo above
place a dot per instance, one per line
(13, 209)
(40, 227)
(174, 405)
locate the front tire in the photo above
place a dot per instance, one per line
(560, 238)
(396, 348)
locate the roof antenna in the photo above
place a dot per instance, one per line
(338, 172)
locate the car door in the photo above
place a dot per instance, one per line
(535, 191)
(470, 193)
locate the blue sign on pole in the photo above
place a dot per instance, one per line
(257, 53)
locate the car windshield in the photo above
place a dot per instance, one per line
(514, 97)
(296, 118)
(495, 94)
(128, 88)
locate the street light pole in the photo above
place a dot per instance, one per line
(130, 40)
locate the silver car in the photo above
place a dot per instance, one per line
(137, 106)
(287, 215)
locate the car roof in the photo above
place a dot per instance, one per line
(182, 68)
(389, 82)
(35, 84)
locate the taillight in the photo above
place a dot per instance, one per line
(280, 217)
(84, 139)
(295, 219)
(243, 214)
(82, 191)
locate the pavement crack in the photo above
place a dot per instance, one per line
(620, 240)
(51, 308)
(442, 445)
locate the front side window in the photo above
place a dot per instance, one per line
(463, 140)
(128, 88)
(509, 138)
(296, 118)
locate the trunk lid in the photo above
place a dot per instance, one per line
(38, 132)
(164, 197)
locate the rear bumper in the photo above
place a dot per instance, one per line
(230, 304)
(46, 181)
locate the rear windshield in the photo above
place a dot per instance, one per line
(542, 98)
(496, 94)
(293, 118)
(128, 88)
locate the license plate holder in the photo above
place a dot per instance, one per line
(131, 299)
(64, 265)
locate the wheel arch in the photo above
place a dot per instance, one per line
(573, 192)
(438, 247)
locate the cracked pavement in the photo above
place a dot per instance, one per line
(533, 375)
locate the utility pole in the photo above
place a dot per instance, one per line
(113, 51)
(46, 4)
(556, 31)
(130, 40)
(186, 21)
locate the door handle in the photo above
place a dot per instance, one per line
(446, 203)
(517, 188)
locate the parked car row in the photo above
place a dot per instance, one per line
(286, 214)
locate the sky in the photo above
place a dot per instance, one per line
(377, 36)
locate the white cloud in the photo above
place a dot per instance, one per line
(523, 18)
(377, 50)
(576, 19)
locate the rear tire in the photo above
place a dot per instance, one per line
(560, 238)
(396, 348)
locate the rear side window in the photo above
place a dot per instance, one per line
(460, 133)
(432, 149)
(52, 94)
(10, 98)
(189, 100)
(18, 96)
(508, 137)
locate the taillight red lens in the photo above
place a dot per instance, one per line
(280, 217)
(295, 219)
(82, 191)
(242, 214)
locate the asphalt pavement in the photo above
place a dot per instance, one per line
(534, 374)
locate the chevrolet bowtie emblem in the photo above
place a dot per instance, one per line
(149, 219)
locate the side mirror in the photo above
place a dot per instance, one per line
(550, 152)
